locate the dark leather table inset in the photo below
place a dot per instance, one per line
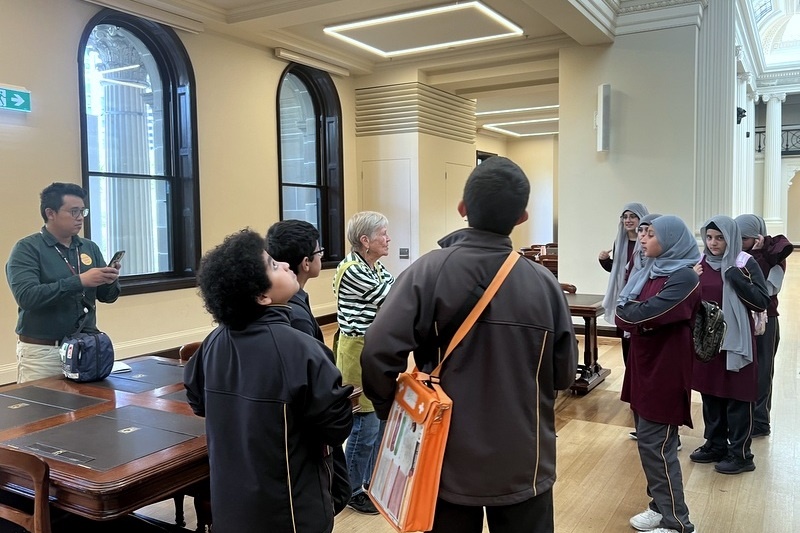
(179, 396)
(103, 442)
(30, 404)
(187, 425)
(54, 398)
(144, 376)
(16, 412)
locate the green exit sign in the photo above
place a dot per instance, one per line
(15, 99)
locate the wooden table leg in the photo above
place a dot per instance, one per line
(590, 373)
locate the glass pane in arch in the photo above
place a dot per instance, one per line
(302, 203)
(124, 104)
(132, 215)
(127, 162)
(298, 131)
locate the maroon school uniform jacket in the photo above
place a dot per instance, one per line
(658, 376)
(713, 377)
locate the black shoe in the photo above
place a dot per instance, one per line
(706, 454)
(362, 504)
(633, 435)
(734, 465)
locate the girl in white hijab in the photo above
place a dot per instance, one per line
(728, 383)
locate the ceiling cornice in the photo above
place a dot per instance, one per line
(636, 16)
(633, 6)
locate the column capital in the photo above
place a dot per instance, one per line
(753, 96)
(745, 77)
(769, 96)
(738, 52)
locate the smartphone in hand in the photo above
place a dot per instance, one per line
(117, 258)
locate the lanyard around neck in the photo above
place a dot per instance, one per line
(74, 271)
(77, 256)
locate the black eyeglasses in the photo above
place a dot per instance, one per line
(78, 211)
(320, 252)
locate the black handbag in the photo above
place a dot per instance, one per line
(709, 331)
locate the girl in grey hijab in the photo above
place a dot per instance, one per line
(738, 342)
(728, 384)
(679, 251)
(657, 307)
(629, 221)
(638, 259)
(770, 252)
(622, 251)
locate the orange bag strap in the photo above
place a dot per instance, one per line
(476, 312)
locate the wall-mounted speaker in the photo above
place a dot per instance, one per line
(603, 117)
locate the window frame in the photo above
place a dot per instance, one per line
(330, 168)
(181, 169)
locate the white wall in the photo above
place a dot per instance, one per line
(652, 151)
(238, 162)
(538, 157)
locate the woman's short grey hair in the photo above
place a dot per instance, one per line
(364, 223)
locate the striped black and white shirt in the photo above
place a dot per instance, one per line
(361, 292)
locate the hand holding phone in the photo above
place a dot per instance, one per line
(116, 259)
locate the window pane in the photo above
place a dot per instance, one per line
(301, 203)
(298, 133)
(132, 215)
(124, 104)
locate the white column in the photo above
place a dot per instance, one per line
(750, 154)
(740, 190)
(773, 188)
(716, 112)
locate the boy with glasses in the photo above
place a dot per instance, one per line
(297, 242)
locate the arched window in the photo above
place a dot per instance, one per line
(139, 152)
(310, 153)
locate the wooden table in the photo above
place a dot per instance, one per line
(91, 484)
(590, 373)
(113, 446)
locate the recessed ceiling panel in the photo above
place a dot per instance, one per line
(425, 30)
(525, 128)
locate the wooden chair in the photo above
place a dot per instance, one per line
(550, 262)
(186, 351)
(569, 288)
(14, 463)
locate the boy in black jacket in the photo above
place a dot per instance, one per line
(271, 396)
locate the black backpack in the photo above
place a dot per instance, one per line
(709, 331)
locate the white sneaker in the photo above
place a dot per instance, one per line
(647, 520)
(665, 530)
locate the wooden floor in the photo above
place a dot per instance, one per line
(600, 482)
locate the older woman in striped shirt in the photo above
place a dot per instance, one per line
(361, 284)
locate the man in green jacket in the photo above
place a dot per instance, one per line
(56, 277)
